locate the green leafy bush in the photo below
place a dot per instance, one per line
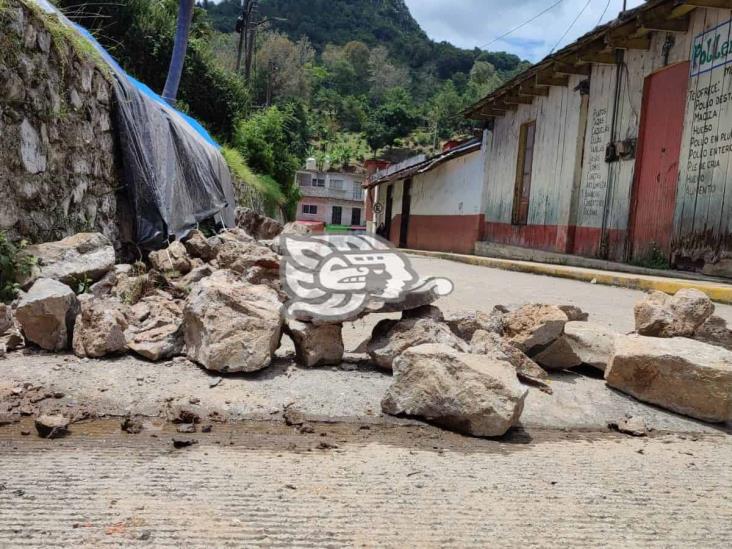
(14, 266)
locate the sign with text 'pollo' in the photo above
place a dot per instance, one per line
(712, 49)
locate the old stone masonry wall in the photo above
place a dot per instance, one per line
(58, 174)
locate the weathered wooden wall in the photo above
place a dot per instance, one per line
(703, 222)
(557, 123)
(604, 205)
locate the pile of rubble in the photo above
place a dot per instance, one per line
(218, 301)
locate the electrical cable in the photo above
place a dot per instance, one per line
(535, 17)
(603, 12)
(571, 25)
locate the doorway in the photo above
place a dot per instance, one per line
(387, 214)
(657, 167)
(337, 216)
(406, 207)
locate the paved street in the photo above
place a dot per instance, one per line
(360, 479)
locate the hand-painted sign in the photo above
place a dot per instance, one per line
(712, 49)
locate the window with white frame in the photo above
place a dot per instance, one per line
(319, 182)
(309, 209)
(304, 179)
(336, 184)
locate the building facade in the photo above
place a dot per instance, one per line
(332, 198)
(619, 145)
(431, 203)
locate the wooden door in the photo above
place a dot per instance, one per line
(387, 214)
(337, 217)
(657, 164)
(406, 208)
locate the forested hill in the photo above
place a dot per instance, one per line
(374, 22)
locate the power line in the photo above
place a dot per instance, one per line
(535, 17)
(572, 25)
(605, 11)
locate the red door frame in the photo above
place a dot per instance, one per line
(633, 211)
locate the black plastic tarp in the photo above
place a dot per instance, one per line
(174, 173)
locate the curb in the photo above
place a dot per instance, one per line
(721, 293)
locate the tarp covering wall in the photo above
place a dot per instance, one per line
(173, 170)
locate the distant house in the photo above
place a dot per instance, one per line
(619, 146)
(332, 198)
(431, 203)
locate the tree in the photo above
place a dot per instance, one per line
(394, 118)
(185, 16)
(384, 75)
(444, 112)
(282, 67)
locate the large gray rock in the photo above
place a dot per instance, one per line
(471, 394)
(230, 325)
(241, 257)
(77, 259)
(534, 326)
(715, 332)
(661, 315)
(100, 327)
(6, 318)
(47, 313)
(390, 338)
(497, 348)
(683, 375)
(173, 258)
(582, 343)
(257, 225)
(466, 323)
(316, 345)
(198, 246)
(156, 327)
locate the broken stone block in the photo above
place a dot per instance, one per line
(73, 260)
(425, 311)
(198, 246)
(316, 345)
(100, 328)
(173, 258)
(631, 425)
(52, 426)
(715, 332)
(661, 315)
(582, 343)
(156, 327)
(230, 325)
(471, 394)
(574, 313)
(686, 376)
(6, 318)
(494, 346)
(390, 338)
(466, 323)
(241, 257)
(106, 285)
(46, 314)
(257, 225)
(534, 326)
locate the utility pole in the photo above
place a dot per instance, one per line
(247, 29)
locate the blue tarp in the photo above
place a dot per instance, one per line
(174, 173)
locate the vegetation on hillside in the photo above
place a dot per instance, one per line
(339, 80)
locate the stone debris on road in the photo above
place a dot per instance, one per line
(218, 301)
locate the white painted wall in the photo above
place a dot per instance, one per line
(557, 123)
(453, 188)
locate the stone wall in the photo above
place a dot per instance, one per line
(58, 173)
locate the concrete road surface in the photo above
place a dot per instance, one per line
(359, 478)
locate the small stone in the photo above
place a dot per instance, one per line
(186, 428)
(131, 426)
(52, 426)
(632, 425)
(181, 442)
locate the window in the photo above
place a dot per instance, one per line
(524, 164)
(356, 217)
(337, 215)
(309, 209)
(336, 184)
(319, 182)
(304, 179)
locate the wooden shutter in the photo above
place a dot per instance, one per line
(524, 165)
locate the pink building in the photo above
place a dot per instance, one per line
(333, 198)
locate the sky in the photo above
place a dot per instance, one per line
(477, 23)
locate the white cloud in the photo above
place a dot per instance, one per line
(475, 23)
